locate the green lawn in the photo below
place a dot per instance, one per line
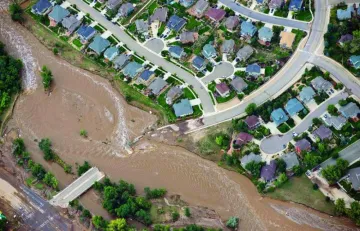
(303, 15)
(188, 94)
(300, 190)
(168, 108)
(192, 23)
(77, 43)
(283, 128)
(99, 28)
(224, 100)
(161, 28)
(152, 7)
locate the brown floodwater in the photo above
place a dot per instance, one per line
(81, 100)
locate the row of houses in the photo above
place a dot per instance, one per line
(294, 5)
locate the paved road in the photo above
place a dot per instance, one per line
(223, 70)
(76, 188)
(351, 154)
(198, 87)
(43, 216)
(275, 144)
(237, 7)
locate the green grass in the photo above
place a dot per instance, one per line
(152, 7)
(270, 70)
(132, 27)
(39, 186)
(303, 15)
(161, 28)
(283, 128)
(226, 99)
(300, 190)
(188, 94)
(29, 181)
(168, 108)
(192, 23)
(77, 43)
(204, 29)
(99, 28)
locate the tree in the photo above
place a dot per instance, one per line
(86, 214)
(297, 170)
(250, 109)
(233, 222)
(117, 225)
(332, 173)
(281, 179)
(50, 180)
(317, 121)
(332, 110)
(311, 160)
(261, 186)
(99, 222)
(154, 193)
(56, 51)
(321, 147)
(254, 168)
(280, 165)
(175, 215)
(340, 207)
(38, 171)
(18, 147)
(187, 212)
(354, 212)
(354, 44)
(83, 168)
(45, 147)
(16, 12)
(47, 77)
(3, 221)
(144, 216)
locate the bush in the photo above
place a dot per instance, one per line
(154, 193)
(175, 216)
(16, 12)
(47, 77)
(315, 186)
(83, 168)
(45, 147)
(283, 128)
(233, 222)
(187, 212)
(250, 109)
(83, 133)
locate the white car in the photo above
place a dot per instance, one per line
(295, 134)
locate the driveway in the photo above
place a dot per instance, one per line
(275, 144)
(351, 154)
(155, 44)
(223, 70)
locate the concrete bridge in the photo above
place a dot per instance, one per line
(76, 188)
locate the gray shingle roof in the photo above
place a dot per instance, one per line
(350, 110)
(291, 160)
(354, 177)
(238, 84)
(157, 85)
(245, 52)
(251, 157)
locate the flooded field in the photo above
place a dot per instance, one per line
(81, 100)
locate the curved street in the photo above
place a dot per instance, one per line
(223, 70)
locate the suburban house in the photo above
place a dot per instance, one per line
(320, 84)
(293, 106)
(253, 70)
(336, 121)
(290, 160)
(232, 22)
(188, 37)
(142, 27)
(354, 178)
(70, 23)
(344, 14)
(42, 7)
(113, 4)
(252, 122)
(323, 133)
(85, 33)
(176, 52)
(265, 35)
(241, 139)
(126, 9)
(276, 4)
(183, 108)
(268, 171)
(209, 51)
(175, 23)
(307, 94)
(250, 158)
(350, 110)
(159, 15)
(247, 29)
(228, 46)
(111, 53)
(157, 86)
(302, 145)
(278, 116)
(199, 63)
(174, 93)
(238, 84)
(354, 60)
(146, 76)
(287, 39)
(57, 15)
(132, 69)
(200, 7)
(244, 53)
(121, 60)
(215, 14)
(345, 39)
(99, 44)
(295, 5)
(186, 3)
(222, 89)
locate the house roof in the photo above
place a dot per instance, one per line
(245, 52)
(320, 84)
(249, 158)
(276, 4)
(344, 14)
(186, 3)
(198, 62)
(279, 116)
(85, 31)
(238, 84)
(160, 14)
(291, 160)
(209, 51)
(145, 75)
(345, 38)
(41, 5)
(183, 108)
(58, 13)
(253, 68)
(247, 28)
(355, 61)
(265, 33)
(157, 85)
(175, 23)
(121, 60)
(71, 23)
(287, 38)
(173, 92)
(222, 88)
(111, 52)
(242, 138)
(141, 26)
(232, 22)
(268, 171)
(354, 177)
(132, 69)
(338, 121)
(215, 14)
(111, 4)
(99, 44)
(228, 46)
(293, 106)
(126, 9)
(350, 110)
(306, 94)
(252, 121)
(201, 5)
(177, 50)
(323, 132)
(188, 36)
(295, 4)
(303, 144)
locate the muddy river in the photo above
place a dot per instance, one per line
(81, 100)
